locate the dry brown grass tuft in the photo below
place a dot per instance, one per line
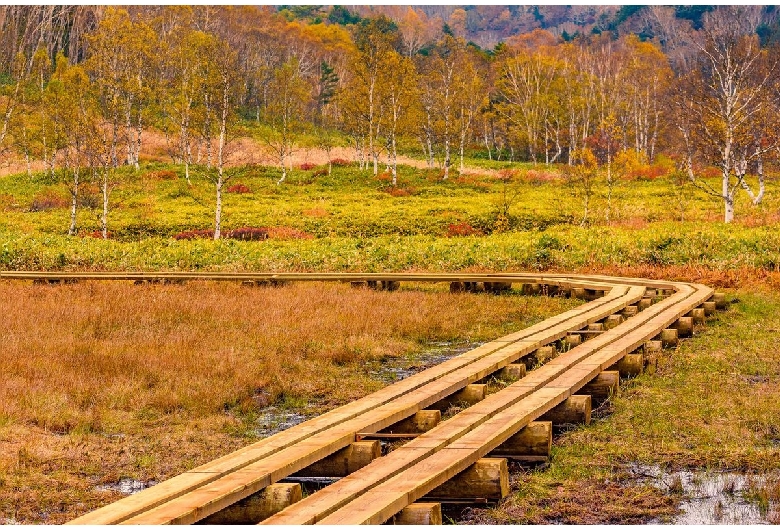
(109, 380)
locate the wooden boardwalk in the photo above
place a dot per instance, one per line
(557, 366)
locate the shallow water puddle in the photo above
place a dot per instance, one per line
(128, 486)
(395, 369)
(712, 497)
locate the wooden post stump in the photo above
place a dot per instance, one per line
(577, 292)
(602, 387)
(497, 287)
(630, 365)
(684, 326)
(720, 300)
(612, 321)
(373, 284)
(457, 287)
(469, 395)
(709, 308)
(669, 337)
(257, 507)
(573, 340)
(487, 478)
(697, 315)
(390, 285)
(596, 326)
(644, 303)
(531, 444)
(576, 409)
(419, 513)
(653, 346)
(512, 372)
(358, 285)
(417, 423)
(344, 461)
(630, 311)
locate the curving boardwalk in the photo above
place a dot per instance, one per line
(552, 371)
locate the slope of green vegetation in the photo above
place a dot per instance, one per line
(353, 221)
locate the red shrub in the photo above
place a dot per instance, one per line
(385, 176)
(48, 200)
(163, 174)
(323, 172)
(535, 176)
(248, 233)
(462, 229)
(340, 162)
(239, 188)
(306, 166)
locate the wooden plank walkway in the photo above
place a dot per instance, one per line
(387, 485)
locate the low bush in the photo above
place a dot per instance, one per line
(340, 162)
(462, 229)
(239, 188)
(306, 166)
(48, 199)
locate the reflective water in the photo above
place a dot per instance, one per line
(128, 486)
(712, 497)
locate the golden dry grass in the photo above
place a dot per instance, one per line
(110, 380)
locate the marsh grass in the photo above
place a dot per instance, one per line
(103, 381)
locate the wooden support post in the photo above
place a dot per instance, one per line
(419, 513)
(544, 354)
(531, 444)
(358, 285)
(257, 507)
(596, 326)
(512, 372)
(475, 287)
(469, 395)
(652, 347)
(644, 303)
(684, 326)
(630, 365)
(388, 285)
(373, 284)
(457, 287)
(497, 287)
(565, 292)
(697, 315)
(573, 340)
(720, 300)
(417, 423)
(531, 289)
(577, 292)
(612, 321)
(669, 337)
(709, 308)
(344, 461)
(652, 351)
(487, 478)
(630, 311)
(576, 409)
(602, 387)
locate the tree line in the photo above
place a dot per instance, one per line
(81, 85)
